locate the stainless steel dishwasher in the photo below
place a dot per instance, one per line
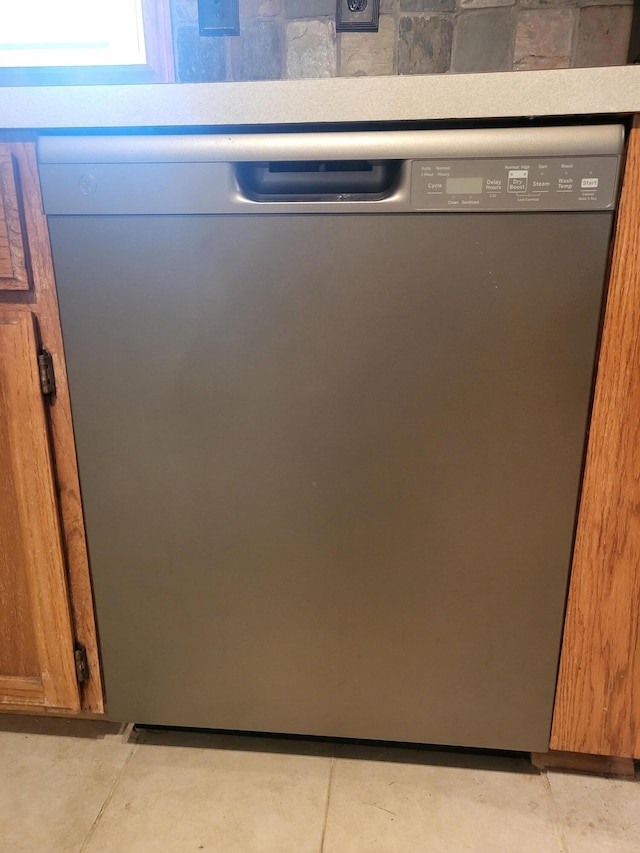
(330, 393)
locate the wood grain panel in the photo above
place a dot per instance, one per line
(21, 691)
(18, 652)
(6, 265)
(598, 698)
(13, 268)
(46, 307)
(581, 762)
(39, 534)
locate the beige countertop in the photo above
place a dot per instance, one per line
(576, 91)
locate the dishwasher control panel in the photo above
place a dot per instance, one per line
(518, 183)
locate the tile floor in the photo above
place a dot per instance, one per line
(90, 786)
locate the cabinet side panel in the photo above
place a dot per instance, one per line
(598, 697)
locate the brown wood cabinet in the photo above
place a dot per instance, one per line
(598, 697)
(47, 626)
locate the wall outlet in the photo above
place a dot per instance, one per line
(357, 16)
(218, 17)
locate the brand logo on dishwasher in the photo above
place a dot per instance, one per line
(88, 184)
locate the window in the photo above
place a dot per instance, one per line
(85, 41)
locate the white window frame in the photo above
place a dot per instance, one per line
(146, 56)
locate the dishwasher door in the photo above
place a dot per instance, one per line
(329, 460)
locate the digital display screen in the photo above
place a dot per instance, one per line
(464, 186)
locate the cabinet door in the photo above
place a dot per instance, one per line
(37, 666)
(13, 269)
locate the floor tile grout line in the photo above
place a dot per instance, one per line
(553, 809)
(107, 799)
(326, 805)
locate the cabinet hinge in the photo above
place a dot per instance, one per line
(47, 377)
(82, 664)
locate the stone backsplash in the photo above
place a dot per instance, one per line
(289, 39)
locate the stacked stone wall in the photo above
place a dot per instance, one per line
(282, 39)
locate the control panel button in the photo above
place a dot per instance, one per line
(589, 183)
(518, 181)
